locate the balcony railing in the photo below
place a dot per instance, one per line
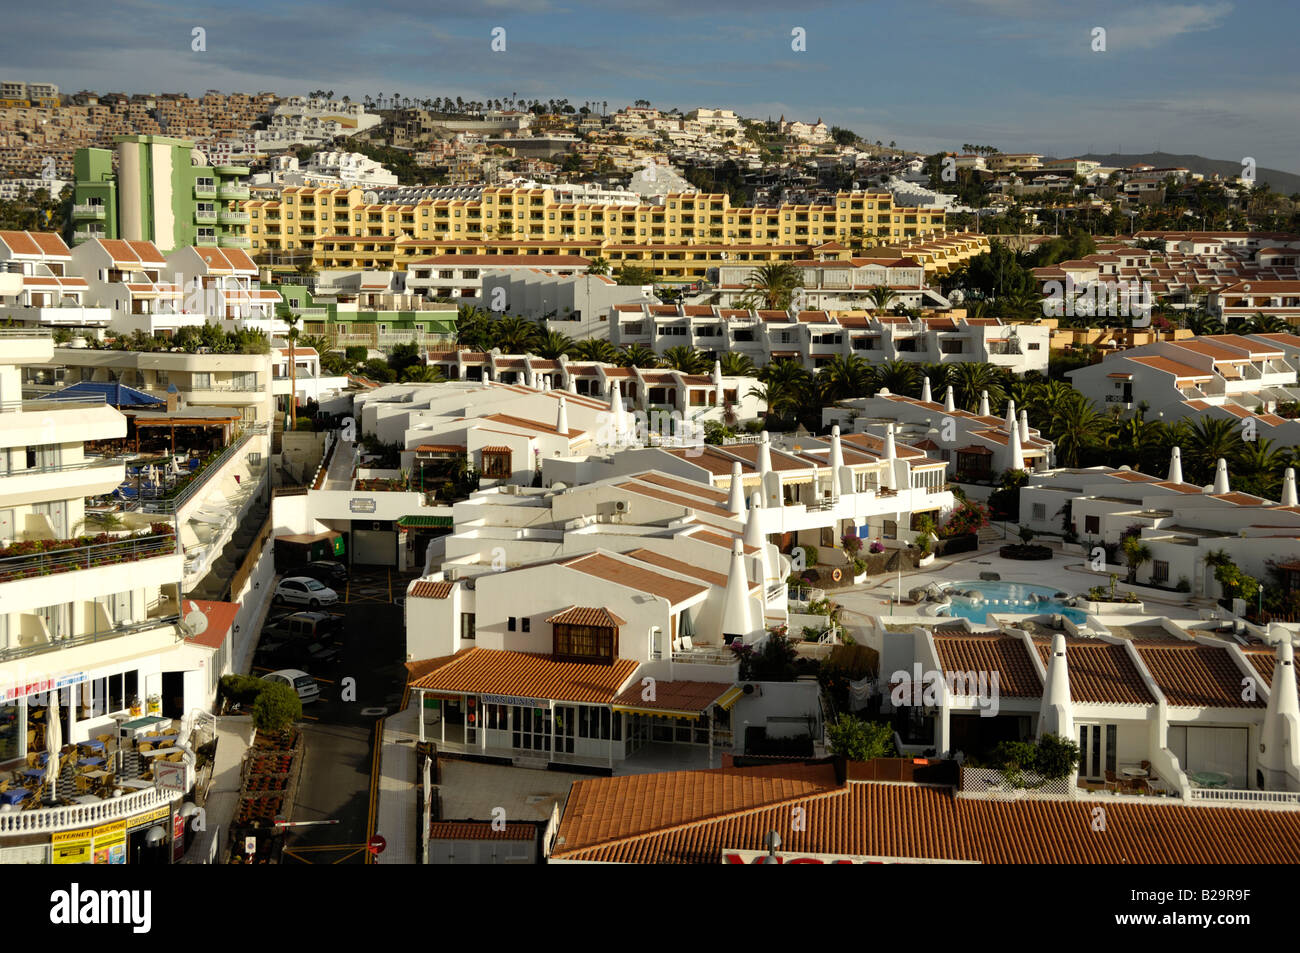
(719, 655)
(228, 217)
(59, 644)
(89, 211)
(46, 820)
(205, 191)
(226, 191)
(199, 479)
(51, 402)
(74, 557)
(94, 463)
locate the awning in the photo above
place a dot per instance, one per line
(680, 700)
(426, 522)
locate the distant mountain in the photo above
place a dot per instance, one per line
(1286, 183)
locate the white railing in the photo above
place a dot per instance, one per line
(1237, 798)
(41, 820)
(723, 656)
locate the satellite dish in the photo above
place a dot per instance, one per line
(195, 622)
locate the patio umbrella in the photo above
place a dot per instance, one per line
(53, 742)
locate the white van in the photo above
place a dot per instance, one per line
(299, 681)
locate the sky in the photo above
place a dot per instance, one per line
(1219, 78)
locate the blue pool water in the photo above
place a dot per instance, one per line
(1013, 598)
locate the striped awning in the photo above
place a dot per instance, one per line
(426, 522)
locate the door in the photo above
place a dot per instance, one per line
(57, 513)
(375, 547)
(1098, 747)
(173, 694)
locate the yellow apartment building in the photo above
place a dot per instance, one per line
(678, 239)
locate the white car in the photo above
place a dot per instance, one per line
(305, 591)
(299, 681)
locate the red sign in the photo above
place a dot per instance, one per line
(377, 844)
(178, 837)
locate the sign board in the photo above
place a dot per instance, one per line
(362, 505)
(250, 845)
(110, 843)
(783, 857)
(147, 819)
(377, 844)
(170, 776)
(71, 847)
(515, 700)
(178, 837)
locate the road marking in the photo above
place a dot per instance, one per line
(375, 761)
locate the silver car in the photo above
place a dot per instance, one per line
(305, 591)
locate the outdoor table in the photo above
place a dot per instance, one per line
(34, 772)
(96, 774)
(1210, 779)
(14, 795)
(138, 726)
(1133, 772)
(158, 751)
(92, 745)
(163, 739)
(86, 799)
(137, 785)
(93, 762)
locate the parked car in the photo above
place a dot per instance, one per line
(305, 627)
(305, 591)
(292, 651)
(299, 681)
(325, 571)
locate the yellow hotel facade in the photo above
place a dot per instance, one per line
(678, 240)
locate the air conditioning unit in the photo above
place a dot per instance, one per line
(622, 506)
(750, 688)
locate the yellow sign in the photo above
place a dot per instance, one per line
(142, 820)
(110, 843)
(70, 847)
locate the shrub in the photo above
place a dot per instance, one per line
(241, 689)
(1183, 585)
(852, 543)
(877, 547)
(304, 423)
(968, 518)
(277, 707)
(860, 740)
(810, 555)
(357, 354)
(1026, 535)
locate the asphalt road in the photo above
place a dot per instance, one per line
(363, 685)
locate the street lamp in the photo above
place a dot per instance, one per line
(773, 841)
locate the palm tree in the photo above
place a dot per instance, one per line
(551, 344)
(513, 334)
(1258, 467)
(422, 374)
(899, 377)
(969, 379)
(735, 364)
(882, 296)
(1208, 439)
(786, 385)
(773, 284)
(594, 349)
(1075, 426)
(317, 342)
(844, 377)
(638, 355)
(1136, 553)
(292, 319)
(598, 266)
(473, 327)
(685, 359)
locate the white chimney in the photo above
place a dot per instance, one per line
(1288, 488)
(736, 494)
(984, 403)
(1056, 713)
(735, 611)
(562, 418)
(949, 405)
(1279, 746)
(1175, 465)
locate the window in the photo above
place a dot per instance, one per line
(525, 623)
(1160, 571)
(1040, 511)
(200, 380)
(584, 643)
(1092, 524)
(467, 625)
(599, 724)
(510, 623)
(496, 463)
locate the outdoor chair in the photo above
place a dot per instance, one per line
(1111, 783)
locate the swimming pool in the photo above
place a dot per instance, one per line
(1011, 598)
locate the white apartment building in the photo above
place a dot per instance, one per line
(352, 169)
(461, 277)
(814, 337)
(221, 285)
(843, 285)
(130, 280)
(39, 287)
(1231, 376)
(307, 378)
(577, 305)
(13, 189)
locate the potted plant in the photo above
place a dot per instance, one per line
(135, 706)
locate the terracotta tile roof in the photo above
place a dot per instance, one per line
(1100, 672)
(1004, 654)
(1179, 371)
(694, 489)
(440, 448)
(588, 615)
(676, 498)
(1263, 660)
(523, 674)
(635, 576)
(694, 816)
(717, 539)
(220, 615)
(424, 589)
(1192, 675)
(676, 565)
(686, 697)
(525, 424)
(481, 830)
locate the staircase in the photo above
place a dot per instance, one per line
(990, 534)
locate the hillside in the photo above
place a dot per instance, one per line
(1286, 183)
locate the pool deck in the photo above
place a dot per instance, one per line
(1067, 573)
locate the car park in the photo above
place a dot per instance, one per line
(293, 652)
(325, 571)
(305, 626)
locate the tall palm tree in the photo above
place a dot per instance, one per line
(551, 344)
(1259, 466)
(598, 266)
(292, 319)
(638, 355)
(422, 374)
(773, 284)
(786, 385)
(735, 364)
(1208, 439)
(473, 327)
(899, 377)
(685, 359)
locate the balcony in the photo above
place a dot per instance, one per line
(91, 477)
(232, 241)
(232, 190)
(205, 191)
(73, 817)
(231, 217)
(87, 235)
(69, 555)
(89, 210)
(205, 216)
(230, 170)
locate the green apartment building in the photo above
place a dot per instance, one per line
(162, 190)
(347, 324)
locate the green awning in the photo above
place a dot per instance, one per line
(426, 522)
